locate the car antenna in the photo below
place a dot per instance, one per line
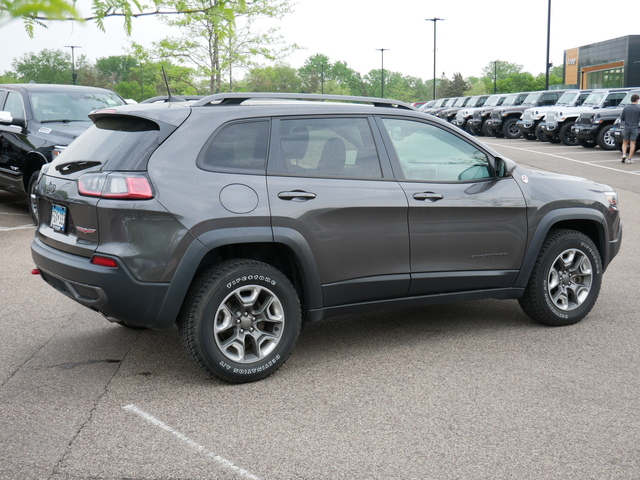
(166, 82)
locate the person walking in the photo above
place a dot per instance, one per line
(630, 118)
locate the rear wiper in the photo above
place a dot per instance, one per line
(71, 167)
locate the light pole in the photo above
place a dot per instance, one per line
(548, 44)
(495, 76)
(74, 76)
(382, 50)
(435, 20)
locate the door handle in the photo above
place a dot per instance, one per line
(297, 195)
(430, 196)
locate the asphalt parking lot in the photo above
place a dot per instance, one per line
(473, 390)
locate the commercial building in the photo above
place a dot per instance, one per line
(608, 64)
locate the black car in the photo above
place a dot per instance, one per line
(240, 217)
(37, 122)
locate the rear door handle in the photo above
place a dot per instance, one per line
(430, 196)
(297, 195)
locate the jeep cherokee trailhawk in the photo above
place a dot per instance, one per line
(241, 216)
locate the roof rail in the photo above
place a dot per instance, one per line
(240, 97)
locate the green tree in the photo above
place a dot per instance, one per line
(313, 74)
(452, 88)
(280, 78)
(116, 69)
(48, 66)
(213, 42)
(37, 12)
(9, 77)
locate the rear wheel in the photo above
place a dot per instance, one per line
(566, 279)
(240, 321)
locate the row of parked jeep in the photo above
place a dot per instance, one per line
(573, 117)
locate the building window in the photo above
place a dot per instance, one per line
(609, 78)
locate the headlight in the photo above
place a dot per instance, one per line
(57, 150)
(612, 198)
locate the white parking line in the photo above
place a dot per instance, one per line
(593, 164)
(217, 458)
(22, 227)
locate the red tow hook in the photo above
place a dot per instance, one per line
(35, 271)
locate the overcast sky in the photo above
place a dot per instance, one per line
(472, 34)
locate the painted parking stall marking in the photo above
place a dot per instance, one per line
(182, 437)
(562, 157)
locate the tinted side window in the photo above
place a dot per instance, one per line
(431, 154)
(549, 99)
(14, 105)
(615, 98)
(239, 147)
(328, 147)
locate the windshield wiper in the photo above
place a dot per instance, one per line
(65, 120)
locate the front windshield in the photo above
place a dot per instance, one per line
(594, 98)
(70, 106)
(510, 100)
(493, 101)
(460, 102)
(473, 101)
(627, 100)
(566, 98)
(532, 98)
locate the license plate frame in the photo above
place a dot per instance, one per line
(58, 218)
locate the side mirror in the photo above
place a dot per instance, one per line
(7, 119)
(504, 167)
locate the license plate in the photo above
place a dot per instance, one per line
(58, 218)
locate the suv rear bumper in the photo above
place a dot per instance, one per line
(120, 297)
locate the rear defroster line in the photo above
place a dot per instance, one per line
(182, 437)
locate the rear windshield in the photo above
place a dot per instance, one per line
(117, 142)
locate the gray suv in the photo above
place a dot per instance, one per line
(242, 216)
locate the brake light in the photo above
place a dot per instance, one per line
(115, 185)
(104, 261)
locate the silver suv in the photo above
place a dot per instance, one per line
(239, 217)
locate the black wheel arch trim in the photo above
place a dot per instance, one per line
(547, 223)
(209, 241)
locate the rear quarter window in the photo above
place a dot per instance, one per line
(237, 148)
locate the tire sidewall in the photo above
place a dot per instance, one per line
(211, 354)
(588, 248)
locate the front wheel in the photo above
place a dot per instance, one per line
(541, 135)
(565, 281)
(567, 136)
(32, 200)
(240, 321)
(606, 140)
(586, 143)
(510, 129)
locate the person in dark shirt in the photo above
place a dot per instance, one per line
(630, 118)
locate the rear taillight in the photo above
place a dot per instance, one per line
(115, 185)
